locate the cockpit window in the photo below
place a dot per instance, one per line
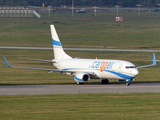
(130, 67)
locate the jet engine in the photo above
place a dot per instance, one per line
(81, 77)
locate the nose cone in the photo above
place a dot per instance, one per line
(135, 72)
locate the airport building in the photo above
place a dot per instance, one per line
(18, 12)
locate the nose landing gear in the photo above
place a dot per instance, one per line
(128, 81)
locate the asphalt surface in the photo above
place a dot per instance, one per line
(78, 49)
(78, 89)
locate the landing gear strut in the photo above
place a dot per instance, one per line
(128, 83)
(104, 81)
(80, 83)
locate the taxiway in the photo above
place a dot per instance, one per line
(78, 89)
(79, 49)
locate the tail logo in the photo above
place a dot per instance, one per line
(56, 43)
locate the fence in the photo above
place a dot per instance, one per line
(18, 12)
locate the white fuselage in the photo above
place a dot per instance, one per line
(102, 68)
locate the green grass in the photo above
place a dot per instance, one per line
(25, 76)
(136, 32)
(81, 30)
(139, 106)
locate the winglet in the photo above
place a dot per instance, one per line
(6, 62)
(154, 61)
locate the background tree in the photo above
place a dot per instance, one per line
(90, 3)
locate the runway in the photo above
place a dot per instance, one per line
(78, 89)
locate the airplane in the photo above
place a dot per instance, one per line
(83, 70)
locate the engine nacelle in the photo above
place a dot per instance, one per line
(81, 77)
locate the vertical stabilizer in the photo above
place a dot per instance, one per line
(57, 46)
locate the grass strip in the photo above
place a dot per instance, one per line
(139, 106)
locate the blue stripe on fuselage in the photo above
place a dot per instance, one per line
(120, 74)
(57, 43)
(113, 72)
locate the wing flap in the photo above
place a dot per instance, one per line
(52, 61)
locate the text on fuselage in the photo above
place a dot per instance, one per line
(102, 65)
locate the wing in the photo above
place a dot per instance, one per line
(52, 61)
(8, 65)
(49, 70)
(153, 62)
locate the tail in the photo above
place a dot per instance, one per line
(57, 47)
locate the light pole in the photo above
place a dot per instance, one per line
(159, 6)
(95, 10)
(117, 9)
(148, 7)
(72, 7)
(139, 7)
(49, 11)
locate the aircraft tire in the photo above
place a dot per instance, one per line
(128, 84)
(104, 81)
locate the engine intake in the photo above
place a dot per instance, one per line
(81, 77)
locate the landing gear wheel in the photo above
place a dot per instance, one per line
(104, 81)
(80, 83)
(128, 84)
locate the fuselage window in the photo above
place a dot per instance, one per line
(130, 67)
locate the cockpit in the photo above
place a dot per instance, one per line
(128, 67)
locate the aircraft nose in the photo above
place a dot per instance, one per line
(135, 72)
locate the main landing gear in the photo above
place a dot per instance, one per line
(104, 81)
